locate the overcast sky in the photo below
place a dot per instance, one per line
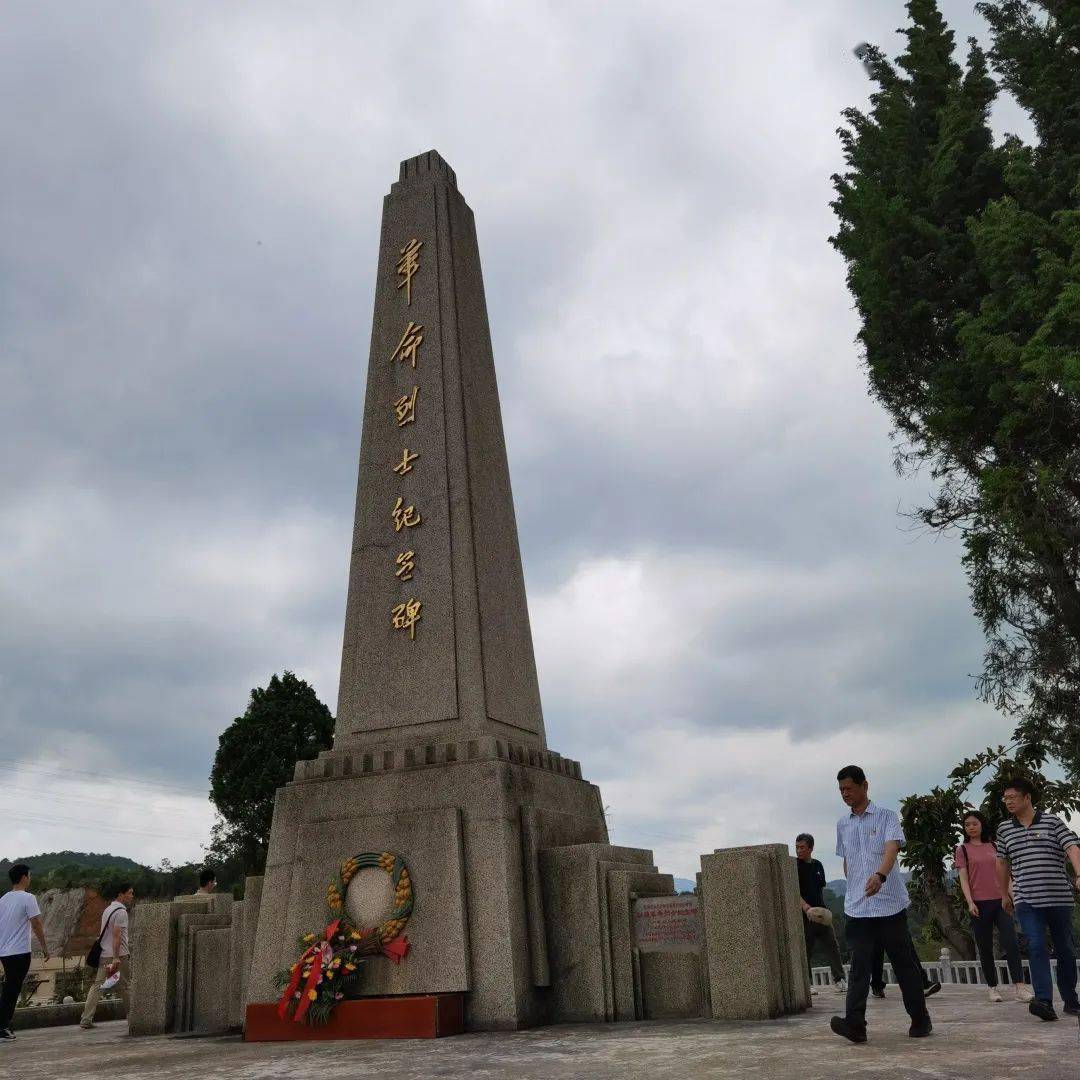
(726, 605)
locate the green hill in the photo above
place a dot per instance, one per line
(80, 869)
(75, 869)
(53, 860)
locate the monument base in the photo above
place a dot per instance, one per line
(469, 819)
(420, 1016)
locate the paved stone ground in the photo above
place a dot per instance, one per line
(972, 1039)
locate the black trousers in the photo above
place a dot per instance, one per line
(877, 970)
(816, 932)
(15, 969)
(992, 914)
(891, 932)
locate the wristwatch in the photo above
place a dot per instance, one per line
(882, 877)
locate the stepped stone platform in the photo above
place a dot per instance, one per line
(972, 1040)
(337, 763)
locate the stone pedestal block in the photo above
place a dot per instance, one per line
(469, 828)
(192, 957)
(211, 982)
(586, 892)
(671, 986)
(188, 989)
(153, 974)
(754, 939)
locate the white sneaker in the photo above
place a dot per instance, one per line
(993, 994)
(841, 986)
(1023, 992)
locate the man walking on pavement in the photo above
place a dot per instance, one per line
(19, 914)
(114, 952)
(1032, 848)
(817, 919)
(868, 839)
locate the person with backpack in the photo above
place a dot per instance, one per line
(113, 958)
(19, 914)
(976, 861)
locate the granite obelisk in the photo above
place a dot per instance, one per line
(435, 537)
(440, 753)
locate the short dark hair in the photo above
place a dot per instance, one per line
(18, 872)
(851, 772)
(1019, 783)
(805, 838)
(118, 890)
(206, 876)
(987, 833)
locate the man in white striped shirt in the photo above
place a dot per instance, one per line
(1032, 848)
(868, 839)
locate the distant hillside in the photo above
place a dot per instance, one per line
(80, 869)
(71, 869)
(684, 885)
(52, 860)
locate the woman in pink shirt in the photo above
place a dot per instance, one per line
(976, 859)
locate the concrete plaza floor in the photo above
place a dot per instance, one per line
(972, 1039)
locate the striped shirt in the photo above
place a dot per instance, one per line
(1036, 855)
(860, 841)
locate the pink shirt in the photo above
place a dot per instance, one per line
(980, 861)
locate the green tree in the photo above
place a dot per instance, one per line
(283, 724)
(963, 257)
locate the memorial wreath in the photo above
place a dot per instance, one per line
(331, 965)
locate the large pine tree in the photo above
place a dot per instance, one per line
(964, 261)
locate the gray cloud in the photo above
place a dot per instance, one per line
(704, 492)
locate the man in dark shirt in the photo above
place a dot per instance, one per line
(811, 890)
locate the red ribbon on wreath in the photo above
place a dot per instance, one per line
(395, 950)
(314, 955)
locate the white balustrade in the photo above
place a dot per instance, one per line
(944, 970)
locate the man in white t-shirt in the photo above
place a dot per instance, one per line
(114, 951)
(19, 914)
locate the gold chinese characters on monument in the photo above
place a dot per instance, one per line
(409, 345)
(405, 615)
(407, 266)
(405, 517)
(405, 408)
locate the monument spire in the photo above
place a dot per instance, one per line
(437, 640)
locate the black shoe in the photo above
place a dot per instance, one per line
(878, 992)
(842, 1026)
(1042, 1009)
(1073, 1008)
(921, 1028)
(6, 1033)
(931, 988)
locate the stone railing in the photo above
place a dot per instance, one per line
(944, 970)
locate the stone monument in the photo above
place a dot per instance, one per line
(440, 752)
(515, 898)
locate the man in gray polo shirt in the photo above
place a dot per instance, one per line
(868, 839)
(1032, 848)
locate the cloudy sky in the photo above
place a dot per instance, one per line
(726, 606)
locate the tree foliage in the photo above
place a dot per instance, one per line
(963, 257)
(283, 724)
